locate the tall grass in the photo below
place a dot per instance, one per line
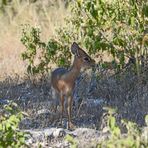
(47, 15)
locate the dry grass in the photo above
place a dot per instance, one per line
(44, 14)
(125, 91)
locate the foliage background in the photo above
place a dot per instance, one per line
(118, 28)
(113, 31)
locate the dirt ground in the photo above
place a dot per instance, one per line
(126, 92)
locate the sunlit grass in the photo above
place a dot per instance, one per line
(47, 15)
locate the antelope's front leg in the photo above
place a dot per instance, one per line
(69, 109)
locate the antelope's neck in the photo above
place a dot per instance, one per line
(74, 71)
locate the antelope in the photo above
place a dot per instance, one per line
(63, 80)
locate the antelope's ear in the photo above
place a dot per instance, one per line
(75, 49)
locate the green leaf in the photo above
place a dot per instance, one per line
(112, 122)
(24, 56)
(61, 61)
(145, 9)
(146, 120)
(71, 140)
(29, 69)
(132, 21)
(117, 131)
(7, 125)
(110, 109)
(113, 52)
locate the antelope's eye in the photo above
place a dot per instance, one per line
(86, 59)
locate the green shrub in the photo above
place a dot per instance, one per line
(53, 51)
(72, 141)
(132, 138)
(117, 27)
(10, 136)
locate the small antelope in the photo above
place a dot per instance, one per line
(63, 80)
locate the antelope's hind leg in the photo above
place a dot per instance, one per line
(62, 107)
(55, 97)
(69, 109)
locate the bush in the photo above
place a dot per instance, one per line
(53, 51)
(117, 27)
(132, 138)
(10, 136)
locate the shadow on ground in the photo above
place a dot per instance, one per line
(126, 92)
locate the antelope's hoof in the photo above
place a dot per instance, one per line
(71, 126)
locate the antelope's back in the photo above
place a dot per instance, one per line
(56, 75)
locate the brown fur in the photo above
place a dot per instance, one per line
(63, 81)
